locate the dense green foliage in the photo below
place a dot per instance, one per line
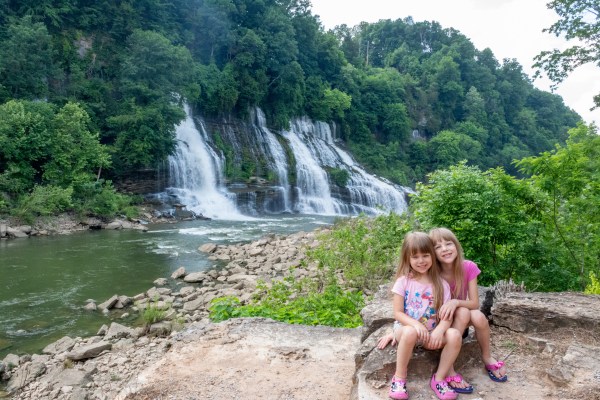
(296, 302)
(407, 97)
(579, 21)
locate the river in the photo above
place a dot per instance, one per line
(46, 281)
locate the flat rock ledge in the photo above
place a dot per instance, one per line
(550, 341)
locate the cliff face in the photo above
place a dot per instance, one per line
(260, 170)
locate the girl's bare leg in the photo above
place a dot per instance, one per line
(482, 333)
(462, 318)
(407, 338)
(453, 339)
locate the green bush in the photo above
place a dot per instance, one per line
(364, 249)
(101, 199)
(594, 286)
(338, 176)
(296, 302)
(153, 313)
(44, 200)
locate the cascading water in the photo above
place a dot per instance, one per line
(196, 176)
(367, 193)
(279, 160)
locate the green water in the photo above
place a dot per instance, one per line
(45, 281)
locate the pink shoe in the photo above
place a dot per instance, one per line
(442, 390)
(398, 389)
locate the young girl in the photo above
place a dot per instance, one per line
(463, 309)
(419, 292)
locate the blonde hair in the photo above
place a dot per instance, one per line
(419, 242)
(445, 234)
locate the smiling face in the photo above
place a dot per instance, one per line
(421, 262)
(445, 251)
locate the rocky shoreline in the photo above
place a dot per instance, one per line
(100, 366)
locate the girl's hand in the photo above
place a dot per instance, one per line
(385, 340)
(422, 333)
(436, 340)
(447, 310)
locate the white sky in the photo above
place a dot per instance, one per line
(510, 28)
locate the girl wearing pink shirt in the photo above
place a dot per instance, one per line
(419, 293)
(463, 309)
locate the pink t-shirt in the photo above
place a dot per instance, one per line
(418, 299)
(470, 272)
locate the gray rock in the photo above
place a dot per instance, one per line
(110, 303)
(178, 273)
(208, 248)
(195, 277)
(60, 346)
(118, 331)
(544, 312)
(88, 351)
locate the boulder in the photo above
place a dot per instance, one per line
(544, 312)
(88, 351)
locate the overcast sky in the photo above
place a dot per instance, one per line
(510, 28)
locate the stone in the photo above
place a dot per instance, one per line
(207, 248)
(118, 331)
(88, 351)
(544, 312)
(60, 346)
(178, 273)
(195, 277)
(108, 304)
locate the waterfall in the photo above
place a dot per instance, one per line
(278, 158)
(197, 180)
(196, 174)
(367, 193)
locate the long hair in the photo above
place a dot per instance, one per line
(445, 234)
(419, 242)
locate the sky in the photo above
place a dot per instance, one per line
(510, 28)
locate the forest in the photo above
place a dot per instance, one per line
(92, 91)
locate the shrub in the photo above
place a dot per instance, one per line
(44, 200)
(296, 302)
(364, 249)
(594, 286)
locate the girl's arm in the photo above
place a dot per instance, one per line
(472, 302)
(405, 319)
(436, 339)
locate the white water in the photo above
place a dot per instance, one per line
(196, 173)
(197, 178)
(368, 193)
(280, 164)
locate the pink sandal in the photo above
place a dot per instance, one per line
(398, 389)
(442, 390)
(458, 379)
(495, 367)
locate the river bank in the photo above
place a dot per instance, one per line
(100, 365)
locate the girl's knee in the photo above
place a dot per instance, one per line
(462, 314)
(479, 320)
(453, 335)
(407, 333)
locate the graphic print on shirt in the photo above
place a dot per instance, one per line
(420, 307)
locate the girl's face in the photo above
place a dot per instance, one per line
(421, 262)
(445, 251)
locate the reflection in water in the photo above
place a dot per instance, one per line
(45, 281)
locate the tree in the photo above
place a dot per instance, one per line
(579, 20)
(25, 61)
(495, 217)
(570, 175)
